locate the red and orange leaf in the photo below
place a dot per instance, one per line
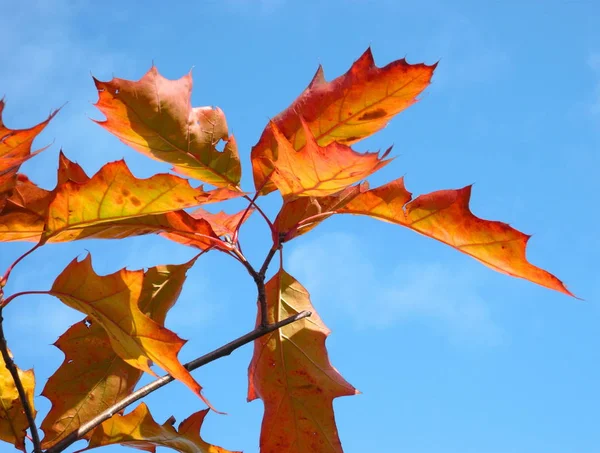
(445, 215)
(92, 376)
(302, 214)
(112, 301)
(319, 171)
(154, 116)
(222, 223)
(114, 194)
(291, 373)
(13, 422)
(70, 171)
(24, 214)
(345, 110)
(15, 148)
(139, 430)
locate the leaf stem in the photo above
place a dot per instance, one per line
(6, 275)
(160, 382)
(12, 368)
(6, 301)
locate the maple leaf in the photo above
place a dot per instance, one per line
(154, 116)
(92, 376)
(300, 215)
(13, 421)
(15, 148)
(445, 215)
(139, 430)
(345, 110)
(316, 170)
(291, 373)
(113, 302)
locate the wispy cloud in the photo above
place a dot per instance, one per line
(337, 270)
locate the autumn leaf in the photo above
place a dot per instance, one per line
(114, 194)
(113, 302)
(92, 376)
(13, 422)
(15, 148)
(302, 214)
(345, 110)
(291, 373)
(70, 171)
(154, 116)
(23, 216)
(139, 430)
(317, 170)
(223, 224)
(445, 215)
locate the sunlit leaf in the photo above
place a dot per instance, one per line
(13, 422)
(139, 430)
(92, 376)
(445, 215)
(290, 372)
(345, 110)
(154, 116)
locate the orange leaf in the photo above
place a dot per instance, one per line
(15, 148)
(445, 215)
(291, 373)
(114, 194)
(301, 215)
(92, 376)
(222, 223)
(13, 422)
(319, 171)
(154, 116)
(345, 110)
(70, 171)
(23, 217)
(139, 430)
(113, 302)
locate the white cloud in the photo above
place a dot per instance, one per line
(336, 270)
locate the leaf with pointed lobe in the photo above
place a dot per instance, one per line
(223, 224)
(92, 376)
(317, 170)
(291, 373)
(113, 302)
(345, 110)
(139, 430)
(445, 215)
(154, 116)
(114, 194)
(13, 422)
(70, 171)
(15, 148)
(300, 215)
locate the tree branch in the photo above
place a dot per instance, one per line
(12, 368)
(160, 382)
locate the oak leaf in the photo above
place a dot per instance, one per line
(345, 110)
(92, 376)
(319, 170)
(139, 430)
(223, 224)
(445, 215)
(15, 148)
(113, 302)
(154, 116)
(300, 215)
(13, 422)
(290, 372)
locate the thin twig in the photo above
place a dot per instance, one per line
(6, 301)
(160, 382)
(6, 275)
(12, 368)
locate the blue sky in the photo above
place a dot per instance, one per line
(450, 357)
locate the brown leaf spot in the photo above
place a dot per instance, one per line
(372, 115)
(135, 201)
(125, 192)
